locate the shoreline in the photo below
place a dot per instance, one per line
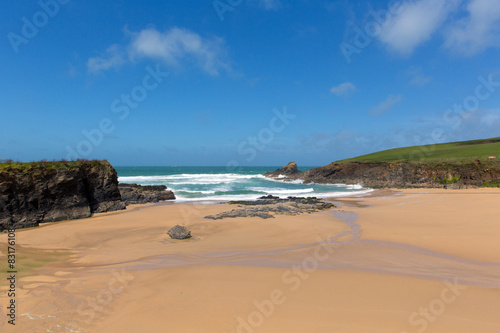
(407, 245)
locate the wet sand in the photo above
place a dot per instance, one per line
(392, 261)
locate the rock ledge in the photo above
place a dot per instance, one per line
(266, 207)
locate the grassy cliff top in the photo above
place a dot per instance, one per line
(455, 152)
(49, 165)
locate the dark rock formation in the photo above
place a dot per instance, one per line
(264, 207)
(34, 193)
(137, 194)
(269, 196)
(179, 232)
(288, 170)
(244, 212)
(401, 174)
(270, 200)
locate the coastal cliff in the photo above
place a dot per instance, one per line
(405, 174)
(462, 164)
(39, 192)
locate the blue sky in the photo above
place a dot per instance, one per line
(250, 82)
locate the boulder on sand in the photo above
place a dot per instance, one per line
(179, 232)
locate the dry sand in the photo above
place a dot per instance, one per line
(394, 261)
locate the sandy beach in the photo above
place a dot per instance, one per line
(395, 261)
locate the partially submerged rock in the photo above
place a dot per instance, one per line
(179, 232)
(138, 194)
(288, 170)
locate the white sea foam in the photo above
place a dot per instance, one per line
(301, 181)
(265, 189)
(223, 188)
(217, 198)
(222, 198)
(196, 192)
(230, 186)
(295, 181)
(281, 191)
(352, 187)
(189, 179)
(343, 194)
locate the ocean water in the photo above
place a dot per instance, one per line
(219, 184)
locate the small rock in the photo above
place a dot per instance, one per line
(179, 232)
(268, 197)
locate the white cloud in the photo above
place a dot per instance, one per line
(113, 58)
(482, 123)
(176, 47)
(178, 44)
(414, 23)
(490, 120)
(386, 105)
(428, 129)
(478, 31)
(343, 89)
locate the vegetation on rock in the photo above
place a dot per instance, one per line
(455, 165)
(39, 192)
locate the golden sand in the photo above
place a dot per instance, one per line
(394, 261)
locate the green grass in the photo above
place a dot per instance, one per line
(464, 151)
(47, 165)
(491, 184)
(445, 181)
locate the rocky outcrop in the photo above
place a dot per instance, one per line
(402, 174)
(179, 232)
(266, 207)
(288, 170)
(39, 192)
(138, 194)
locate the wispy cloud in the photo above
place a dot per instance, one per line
(483, 123)
(386, 105)
(345, 143)
(72, 71)
(417, 77)
(418, 131)
(490, 120)
(203, 117)
(113, 57)
(343, 89)
(415, 23)
(478, 31)
(468, 27)
(176, 47)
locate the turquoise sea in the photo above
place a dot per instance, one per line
(221, 184)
